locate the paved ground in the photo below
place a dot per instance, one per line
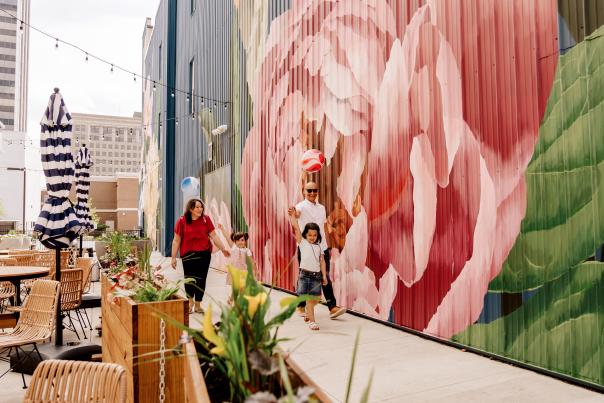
(406, 368)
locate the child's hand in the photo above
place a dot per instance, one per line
(291, 211)
(324, 280)
(226, 253)
(220, 226)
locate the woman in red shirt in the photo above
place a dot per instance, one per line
(192, 235)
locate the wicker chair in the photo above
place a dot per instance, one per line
(71, 298)
(7, 289)
(35, 324)
(77, 381)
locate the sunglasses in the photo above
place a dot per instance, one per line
(312, 190)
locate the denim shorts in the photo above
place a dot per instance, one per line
(309, 283)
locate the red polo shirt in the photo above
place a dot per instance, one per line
(195, 236)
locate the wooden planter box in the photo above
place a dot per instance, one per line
(131, 338)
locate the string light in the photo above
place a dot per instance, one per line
(172, 94)
(176, 122)
(113, 65)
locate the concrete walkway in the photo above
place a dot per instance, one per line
(406, 368)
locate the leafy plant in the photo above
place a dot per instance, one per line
(143, 282)
(243, 346)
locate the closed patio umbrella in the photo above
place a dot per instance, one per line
(83, 162)
(57, 224)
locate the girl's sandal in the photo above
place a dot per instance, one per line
(313, 326)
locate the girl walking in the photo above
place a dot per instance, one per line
(192, 235)
(312, 265)
(239, 254)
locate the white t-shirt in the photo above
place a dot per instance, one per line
(310, 256)
(238, 256)
(313, 212)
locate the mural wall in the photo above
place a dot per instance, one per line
(463, 176)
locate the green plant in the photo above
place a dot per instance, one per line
(243, 346)
(143, 282)
(118, 253)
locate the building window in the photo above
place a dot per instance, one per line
(159, 63)
(192, 85)
(96, 130)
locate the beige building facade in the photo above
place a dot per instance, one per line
(114, 142)
(114, 199)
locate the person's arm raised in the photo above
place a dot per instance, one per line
(294, 222)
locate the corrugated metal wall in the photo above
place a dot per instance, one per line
(463, 145)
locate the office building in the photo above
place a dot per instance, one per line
(114, 141)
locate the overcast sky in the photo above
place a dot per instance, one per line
(111, 29)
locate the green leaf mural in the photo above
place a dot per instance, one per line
(561, 327)
(564, 224)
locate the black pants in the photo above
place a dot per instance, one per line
(327, 289)
(195, 266)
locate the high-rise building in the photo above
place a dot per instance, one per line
(14, 61)
(114, 141)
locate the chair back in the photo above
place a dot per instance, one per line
(8, 262)
(24, 259)
(85, 263)
(77, 381)
(71, 289)
(39, 311)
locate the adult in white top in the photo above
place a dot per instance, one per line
(310, 210)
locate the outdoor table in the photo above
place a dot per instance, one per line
(4, 251)
(15, 274)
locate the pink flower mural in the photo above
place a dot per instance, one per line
(427, 131)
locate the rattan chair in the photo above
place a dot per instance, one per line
(7, 289)
(71, 298)
(77, 381)
(35, 325)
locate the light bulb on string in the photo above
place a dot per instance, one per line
(176, 122)
(188, 98)
(21, 26)
(154, 87)
(112, 68)
(130, 131)
(134, 75)
(86, 56)
(225, 105)
(57, 43)
(193, 116)
(172, 94)
(202, 100)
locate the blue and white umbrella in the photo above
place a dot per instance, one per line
(83, 162)
(57, 224)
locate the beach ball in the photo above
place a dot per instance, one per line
(312, 160)
(190, 186)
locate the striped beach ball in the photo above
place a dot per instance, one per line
(312, 160)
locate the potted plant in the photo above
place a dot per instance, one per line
(139, 312)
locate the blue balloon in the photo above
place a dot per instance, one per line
(190, 186)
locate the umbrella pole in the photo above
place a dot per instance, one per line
(81, 240)
(59, 322)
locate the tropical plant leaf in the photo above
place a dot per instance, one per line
(564, 222)
(559, 327)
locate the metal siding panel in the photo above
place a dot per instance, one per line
(503, 57)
